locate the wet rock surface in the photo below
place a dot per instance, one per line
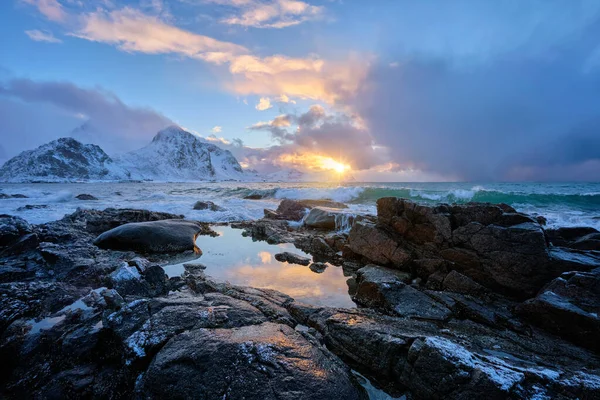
(292, 258)
(296, 210)
(86, 197)
(207, 205)
(455, 302)
(152, 237)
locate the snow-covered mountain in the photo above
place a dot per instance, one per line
(175, 154)
(285, 175)
(61, 160)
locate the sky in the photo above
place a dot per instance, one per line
(381, 90)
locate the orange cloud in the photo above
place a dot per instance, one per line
(134, 31)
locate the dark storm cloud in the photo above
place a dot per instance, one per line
(64, 109)
(521, 114)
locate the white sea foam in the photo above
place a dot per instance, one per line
(341, 194)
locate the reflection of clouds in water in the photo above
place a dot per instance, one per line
(265, 257)
(295, 281)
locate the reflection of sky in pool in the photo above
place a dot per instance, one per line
(239, 260)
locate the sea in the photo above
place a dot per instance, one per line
(563, 204)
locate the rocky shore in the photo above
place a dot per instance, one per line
(455, 302)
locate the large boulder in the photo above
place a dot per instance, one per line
(295, 210)
(377, 245)
(97, 221)
(329, 219)
(494, 245)
(569, 307)
(291, 210)
(12, 229)
(266, 361)
(152, 237)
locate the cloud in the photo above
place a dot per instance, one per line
(51, 9)
(263, 104)
(99, 116)
(278, 75)
(40, 36)
(284, 99)
(270, 14)
(317, 132)
(518, 116)
(216, 129)
(133, 31)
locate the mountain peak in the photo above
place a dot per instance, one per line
(172, 132)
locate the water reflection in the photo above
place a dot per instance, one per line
(241, 261)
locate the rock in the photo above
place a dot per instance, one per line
(292, 258)
(254, 196)
(385, 288)
(271, 214)
(295, 210)
(28, 207)
(207, 205)
(291, 210)
(152, 237)
(96, 221)
(12, 228)
(194, 267)
(377, 245)
(455, 359)
(494, 245)
(318, 267)
(569, 307)
(321, 218)
(266, 361)
(459, 283)
(579, 238)
(13, 196)
(323, 203)
(150, 281)
(86, 197)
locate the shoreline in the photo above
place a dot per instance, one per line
(453, 301)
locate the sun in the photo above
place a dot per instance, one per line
(331, 164)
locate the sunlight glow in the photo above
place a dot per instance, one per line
(315, 162)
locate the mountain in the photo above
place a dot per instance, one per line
(63, 159)
(175, 154)
(285, 175)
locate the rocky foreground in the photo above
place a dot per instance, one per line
(455, 302)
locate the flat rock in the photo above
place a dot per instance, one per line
(152, 237)
(388, 289)
(266, 361)
(292, 258)
(569, 307)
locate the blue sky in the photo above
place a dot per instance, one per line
(397, 90)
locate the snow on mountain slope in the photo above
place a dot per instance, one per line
(285, 175)
(61, 160)
(177, 155)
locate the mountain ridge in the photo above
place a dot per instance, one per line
(173, 154)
